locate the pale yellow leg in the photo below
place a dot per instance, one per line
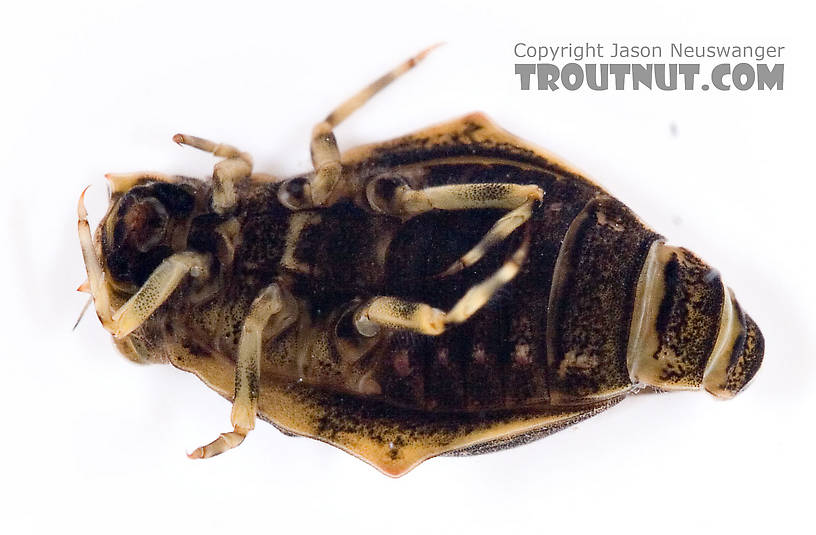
(156, 289)
(404, 200)
(396, 313)
(519, 199)
(497, 233)
(324, 151)
(479, 295)
(235, 166)
(277, 308)
(96, 276)
(224, 442)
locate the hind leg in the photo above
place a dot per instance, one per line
(389, 196)
(397, 313)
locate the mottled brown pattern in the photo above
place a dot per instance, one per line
(446, 362)
(593, 308)
(484, 354)
(689, 319)
(746, 361)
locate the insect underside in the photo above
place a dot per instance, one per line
(456, 290)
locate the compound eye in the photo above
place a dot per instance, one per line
(145, 223)
(176, 199)
(296, 193)
(383, 193)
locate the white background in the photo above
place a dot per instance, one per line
(91, 442)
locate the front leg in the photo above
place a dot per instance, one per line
(272, 311)
(158, 287)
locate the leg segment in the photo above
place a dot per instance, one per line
(277, 308)
(497, 233)
(479, 295)
(324, 151)
(96, 276)
(156, 289)
(387, 197)
(405, 201)
(224, 442)
(235, 166)
(396, 313)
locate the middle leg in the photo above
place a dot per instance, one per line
(320, 189)
(272, 311)
(235, 166)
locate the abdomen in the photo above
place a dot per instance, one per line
(600, 306)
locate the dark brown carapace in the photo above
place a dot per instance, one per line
(456, 290)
